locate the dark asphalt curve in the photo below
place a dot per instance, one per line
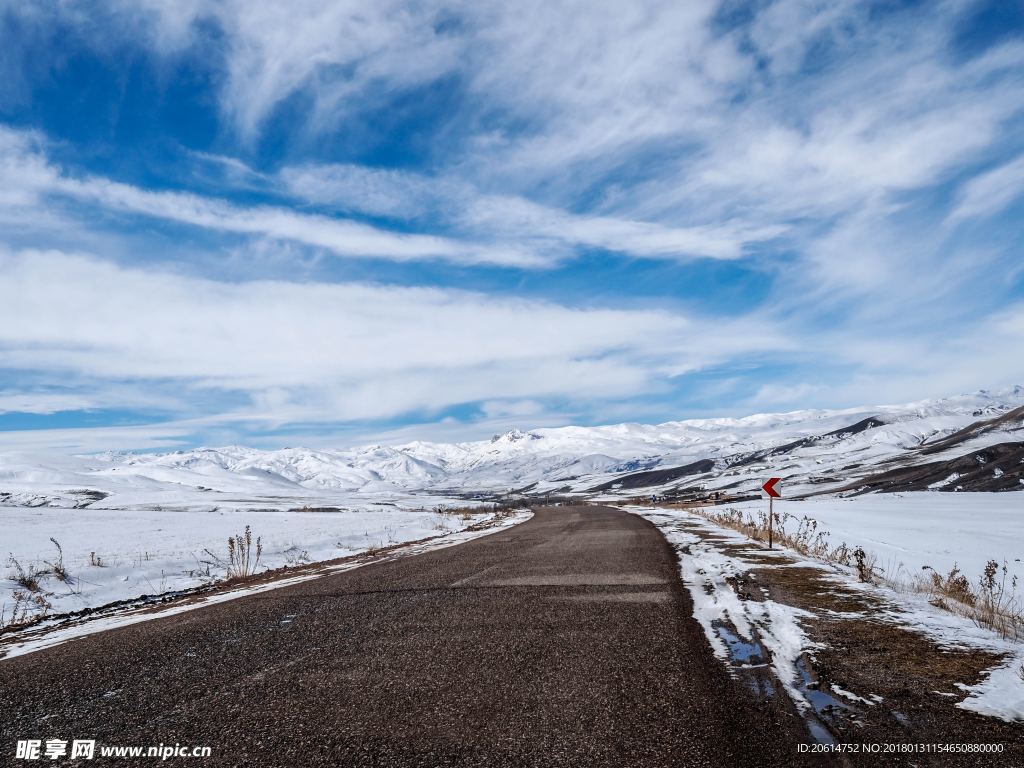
(565, 641)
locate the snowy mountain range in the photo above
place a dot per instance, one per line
(848, 450)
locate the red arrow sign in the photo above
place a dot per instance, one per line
(769, 487)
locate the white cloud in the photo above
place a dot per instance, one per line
(783, 395)
(518, 219)
(43, 403)
(989, 193)
(95, 439)
(783, 31)
(503, 409)
(902, 367)
(339, 351)
(594, 87)
(374, 191)
(28, 176)
(510, 220)
(340, 236)
(502, 230)
(337, 51)
(748, 152)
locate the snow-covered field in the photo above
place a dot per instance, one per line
(907, 531)
(114, 554)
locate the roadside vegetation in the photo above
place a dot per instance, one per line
(243, 555)
(991, 600)
(29, 602)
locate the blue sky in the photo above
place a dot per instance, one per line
(341, 222)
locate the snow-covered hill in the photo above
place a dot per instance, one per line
(814, 449)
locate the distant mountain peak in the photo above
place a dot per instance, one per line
(515, 435)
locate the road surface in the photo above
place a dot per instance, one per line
(565, 641)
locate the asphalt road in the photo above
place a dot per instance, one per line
(565, 641)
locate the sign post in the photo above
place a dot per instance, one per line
(769, 488)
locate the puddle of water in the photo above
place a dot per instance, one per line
(825, 707)
(748, 653)
(762, 686)
(749, 661)
(819, 732)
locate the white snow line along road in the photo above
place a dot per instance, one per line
(38, 638)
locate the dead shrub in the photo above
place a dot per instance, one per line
(57, 567)
(243, 557)
(463, 513)
(26, 578)
(27, 608)
(953, 585)
(997, 605)
(864, 562)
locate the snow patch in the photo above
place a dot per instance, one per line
(705, 571)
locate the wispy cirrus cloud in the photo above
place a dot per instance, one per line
(488, 230)
(990, 192)
(513, 219)
(25, 169)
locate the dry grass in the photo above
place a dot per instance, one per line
(57, 567)
(800, 534)
(243, 556)
(26, 578)
(30, 600)
(992, 603)
(28, 607)
(463, 513)
(954, 585)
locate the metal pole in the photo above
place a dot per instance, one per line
(771, 520)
